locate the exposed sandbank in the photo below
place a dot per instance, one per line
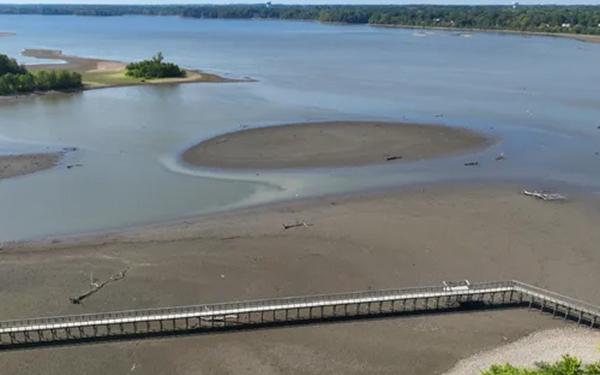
(5, 33)
(18, 165)
(332, 144)
(545, 346)
(417, 236)
(99, 73)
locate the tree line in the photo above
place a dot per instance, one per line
(577, 19)
(16, 79)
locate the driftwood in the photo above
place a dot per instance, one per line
(302, 224)
(97, 286)
(544, 196)
(393, 157)
(472, 164)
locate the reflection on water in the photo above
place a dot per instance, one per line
(536, 94)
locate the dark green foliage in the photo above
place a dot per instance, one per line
(15, 79)
(156, 67)
(8, 65)
(567, 366)
(545, 18)
(57, 80)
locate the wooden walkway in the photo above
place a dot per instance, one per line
(290, 310)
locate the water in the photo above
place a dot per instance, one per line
(539, 96)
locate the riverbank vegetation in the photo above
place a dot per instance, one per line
(567, 366)
(15, 79)
(576, 19)
(154, 68)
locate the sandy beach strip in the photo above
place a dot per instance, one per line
(544, 346)
(389, 239)
(18, 165)
(332, 144)
(71, 63)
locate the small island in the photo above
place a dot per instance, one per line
(99, 73)
(16, 79)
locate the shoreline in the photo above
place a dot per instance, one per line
(393, 238)
(588, 38)
(24, 164)
(332, 144)
(183, 228)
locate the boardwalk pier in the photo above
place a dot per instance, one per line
(290, 310)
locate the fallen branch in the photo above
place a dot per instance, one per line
(393, 157)
(97, 286)
(544, 196)
(302, 224)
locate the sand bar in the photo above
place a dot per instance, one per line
(17, 165)
(416, 236)
(5, 34)
(332, 144)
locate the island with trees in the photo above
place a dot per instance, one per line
(554, 19)
(16, 79)
(154, 68)
(80, 73)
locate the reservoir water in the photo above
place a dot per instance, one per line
(539, 96)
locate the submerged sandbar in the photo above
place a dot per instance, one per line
(332, 144)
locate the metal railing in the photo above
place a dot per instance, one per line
(240, 314)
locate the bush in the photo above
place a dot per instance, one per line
(154, 68)
(567, 366)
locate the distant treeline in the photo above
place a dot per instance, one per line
(16, 79)
(551, 18)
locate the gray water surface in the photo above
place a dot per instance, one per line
(539, 96)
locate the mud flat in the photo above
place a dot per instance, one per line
(415, 236)
(17, 165)
(332, 144)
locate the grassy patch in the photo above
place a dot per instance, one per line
(109, 78)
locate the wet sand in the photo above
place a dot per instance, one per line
(99, 73)
(332, 144)
(17, 165)
(417, 236)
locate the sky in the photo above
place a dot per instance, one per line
(474, 2)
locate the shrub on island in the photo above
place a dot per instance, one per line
(16, 79)
(154, 68)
